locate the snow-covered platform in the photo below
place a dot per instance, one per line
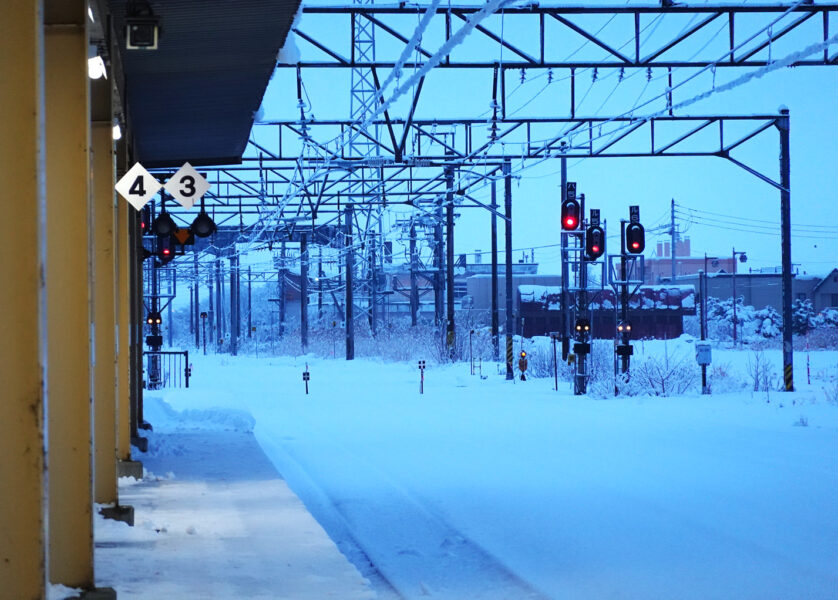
(215, 520)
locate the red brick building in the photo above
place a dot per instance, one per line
(659, 266)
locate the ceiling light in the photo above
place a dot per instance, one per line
(96, 68)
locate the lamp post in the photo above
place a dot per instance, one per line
(702, 293)
(742, 258)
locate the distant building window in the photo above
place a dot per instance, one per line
(834, 302)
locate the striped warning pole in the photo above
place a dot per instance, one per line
(509, 352)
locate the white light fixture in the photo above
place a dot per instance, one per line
(117, 130)
(96, 68)
(90, 14)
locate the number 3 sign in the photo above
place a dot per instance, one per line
(138, 186)
(186, 186)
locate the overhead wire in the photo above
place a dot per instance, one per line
(810, 50)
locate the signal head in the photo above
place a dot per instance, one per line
(203, 225)
(594, 242)
(571, 212)
(164, 225)
(635, 238)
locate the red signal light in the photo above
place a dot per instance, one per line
(570, 215)
(166, 252)
(594, 242)
(635, 238)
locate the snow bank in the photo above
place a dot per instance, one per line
(166, 419)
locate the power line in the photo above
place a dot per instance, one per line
(752, 220)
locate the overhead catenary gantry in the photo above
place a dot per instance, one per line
(260, 184)
(540, 24)
(308, 172)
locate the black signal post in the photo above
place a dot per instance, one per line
(204, 316)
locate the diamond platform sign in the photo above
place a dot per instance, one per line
(138, 186)
(187, 186)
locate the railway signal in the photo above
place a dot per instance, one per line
(635, 233)
(522, 365)
(594, 242)
(165, 251)
(583, 325)
(164, 225)
(571, 209)
(203, 225)
(570, 214)
(635, 238)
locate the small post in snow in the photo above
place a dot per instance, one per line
(471, 349)
(522, 365)
(421, 376)
(306, 377)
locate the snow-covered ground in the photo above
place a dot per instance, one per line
(484, 488)
(214, 520)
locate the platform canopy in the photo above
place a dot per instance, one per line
(194, 97)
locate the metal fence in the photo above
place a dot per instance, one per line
(166, 369)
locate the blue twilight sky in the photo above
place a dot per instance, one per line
(739, 209)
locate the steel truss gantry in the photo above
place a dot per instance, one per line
(258, 185)
(427, 163)
(540, 24)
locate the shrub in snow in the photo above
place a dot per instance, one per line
(830, 387)
(828, 317)
(667, 375)
(692, 325)
(720, 319)
(627, 385)
(764, 324)
(825, 330)
(722, 379)
(802, 316)
(752, 325)
(762, 372)
(601, 383)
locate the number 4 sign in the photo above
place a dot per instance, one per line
(186, 186)
(138, 186)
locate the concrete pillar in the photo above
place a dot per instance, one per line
(68, 294)
(123, 331)
(104, 294)
(22, 298)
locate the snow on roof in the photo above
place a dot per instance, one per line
(538, 292)
(648, 297)
(545, 294)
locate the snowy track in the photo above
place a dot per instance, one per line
(413, 549)
(485, 489)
